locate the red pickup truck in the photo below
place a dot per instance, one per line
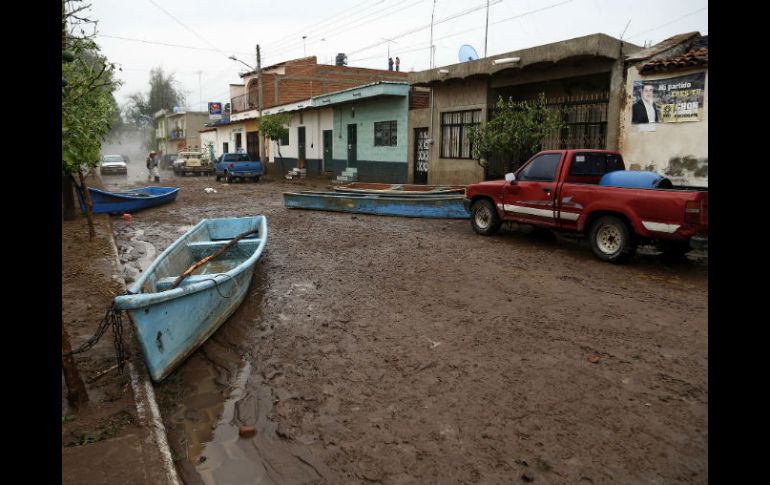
(559, 190)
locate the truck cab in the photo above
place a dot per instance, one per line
(192, 161)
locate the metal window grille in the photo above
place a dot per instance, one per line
(586, 118)
(386, 134)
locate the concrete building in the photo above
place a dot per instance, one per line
(176, 130)
(676, 144)
(585, 75)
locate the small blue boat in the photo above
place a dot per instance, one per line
(172, 323)
(448, 206)
(399, 189)
(129, 200)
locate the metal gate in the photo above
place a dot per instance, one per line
(421, 153)
(586, 118)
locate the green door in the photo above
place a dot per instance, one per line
(327, 149)
(352, 160)
(301, 144)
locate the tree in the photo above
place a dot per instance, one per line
(141, 107)
(88, 107)
(515, 131)
(275, 127)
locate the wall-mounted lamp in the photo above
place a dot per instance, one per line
(443, 71)
(506, 60)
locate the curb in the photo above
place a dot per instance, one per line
(144, 394)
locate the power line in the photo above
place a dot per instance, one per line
(186, 27)
(668, 23)
(363, 20)
(164, 43)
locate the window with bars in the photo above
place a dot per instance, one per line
(454, 133)
(385, 134)
(284, 140)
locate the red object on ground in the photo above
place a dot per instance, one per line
(247, 431)
(126, 218)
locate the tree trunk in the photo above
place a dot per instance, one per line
(89, 206)
(68, 198)
(76, 389)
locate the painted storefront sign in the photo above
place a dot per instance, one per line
(671, 100)
(215, 111)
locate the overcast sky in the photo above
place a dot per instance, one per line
(205, 33)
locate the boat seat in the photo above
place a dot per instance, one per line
(164, 284)
(240, 250)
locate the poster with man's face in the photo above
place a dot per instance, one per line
(672, 100)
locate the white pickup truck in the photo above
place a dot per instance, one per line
(196, 162)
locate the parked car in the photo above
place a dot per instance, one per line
(583, 191)
(233, 166)
(111, 164)
(196, 162)
(167, 161)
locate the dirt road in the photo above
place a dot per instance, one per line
(396, 350)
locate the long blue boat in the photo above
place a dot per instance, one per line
(399, 189)
(171, 323)
(128, 200)
(448, 206)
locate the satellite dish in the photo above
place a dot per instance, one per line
(467, 53)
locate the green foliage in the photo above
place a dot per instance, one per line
(210, 149)
(516, 128)
(275, 126)
(88, 107)
(162, 94)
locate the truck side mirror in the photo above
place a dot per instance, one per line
(509, 177)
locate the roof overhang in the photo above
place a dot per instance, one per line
(373, 90)
(595, 45)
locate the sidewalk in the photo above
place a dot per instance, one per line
(119, 436)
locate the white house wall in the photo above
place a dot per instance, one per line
(671, 147)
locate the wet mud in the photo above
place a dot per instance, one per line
(398, 350)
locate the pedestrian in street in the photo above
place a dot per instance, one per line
(150, 162)
(398, 64)
(155, 169)
(390, 63)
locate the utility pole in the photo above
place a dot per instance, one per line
(431, 34)
(200, 92)
(262, 139)
(486, 31)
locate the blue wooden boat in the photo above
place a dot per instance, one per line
(172, 323)
(399, 189)
(438, 206)
(129, 200)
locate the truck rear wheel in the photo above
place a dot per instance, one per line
(611, 239)
(484, 218)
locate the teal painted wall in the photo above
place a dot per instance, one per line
(369, 111)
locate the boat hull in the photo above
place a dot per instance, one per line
(399, 189)
(438, 206)
(128, 201)
(172, 323)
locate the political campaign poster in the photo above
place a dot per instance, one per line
(672, 100)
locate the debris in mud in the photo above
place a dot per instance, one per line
(594, 359)
(527, 477)
(247, 431)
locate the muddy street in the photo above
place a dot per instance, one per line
(399, 350)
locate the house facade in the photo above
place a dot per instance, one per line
(178, 129)
(584, 75)
(673, 74)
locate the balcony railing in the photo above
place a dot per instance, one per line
(176, 134)
(244, 102)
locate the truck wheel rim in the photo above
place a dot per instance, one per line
(608, 238)
(482, 217)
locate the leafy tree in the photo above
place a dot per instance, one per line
(515, 132)
(141, 107)
(88, 107)
(275, 127)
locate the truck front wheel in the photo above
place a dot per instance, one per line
(484, 218)
(611, 239)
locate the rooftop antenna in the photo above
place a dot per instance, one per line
(624, 30)
(467, 53)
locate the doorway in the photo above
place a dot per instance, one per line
(352, 160)
(421, 153)
(327, 150)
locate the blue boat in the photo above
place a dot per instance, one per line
(399, 189)
(448, 206)
(129, 200)
(171, 323)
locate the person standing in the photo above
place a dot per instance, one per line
(398, 64)
(155, 170)
(390, 63)
(150, 162)
(645, 110)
